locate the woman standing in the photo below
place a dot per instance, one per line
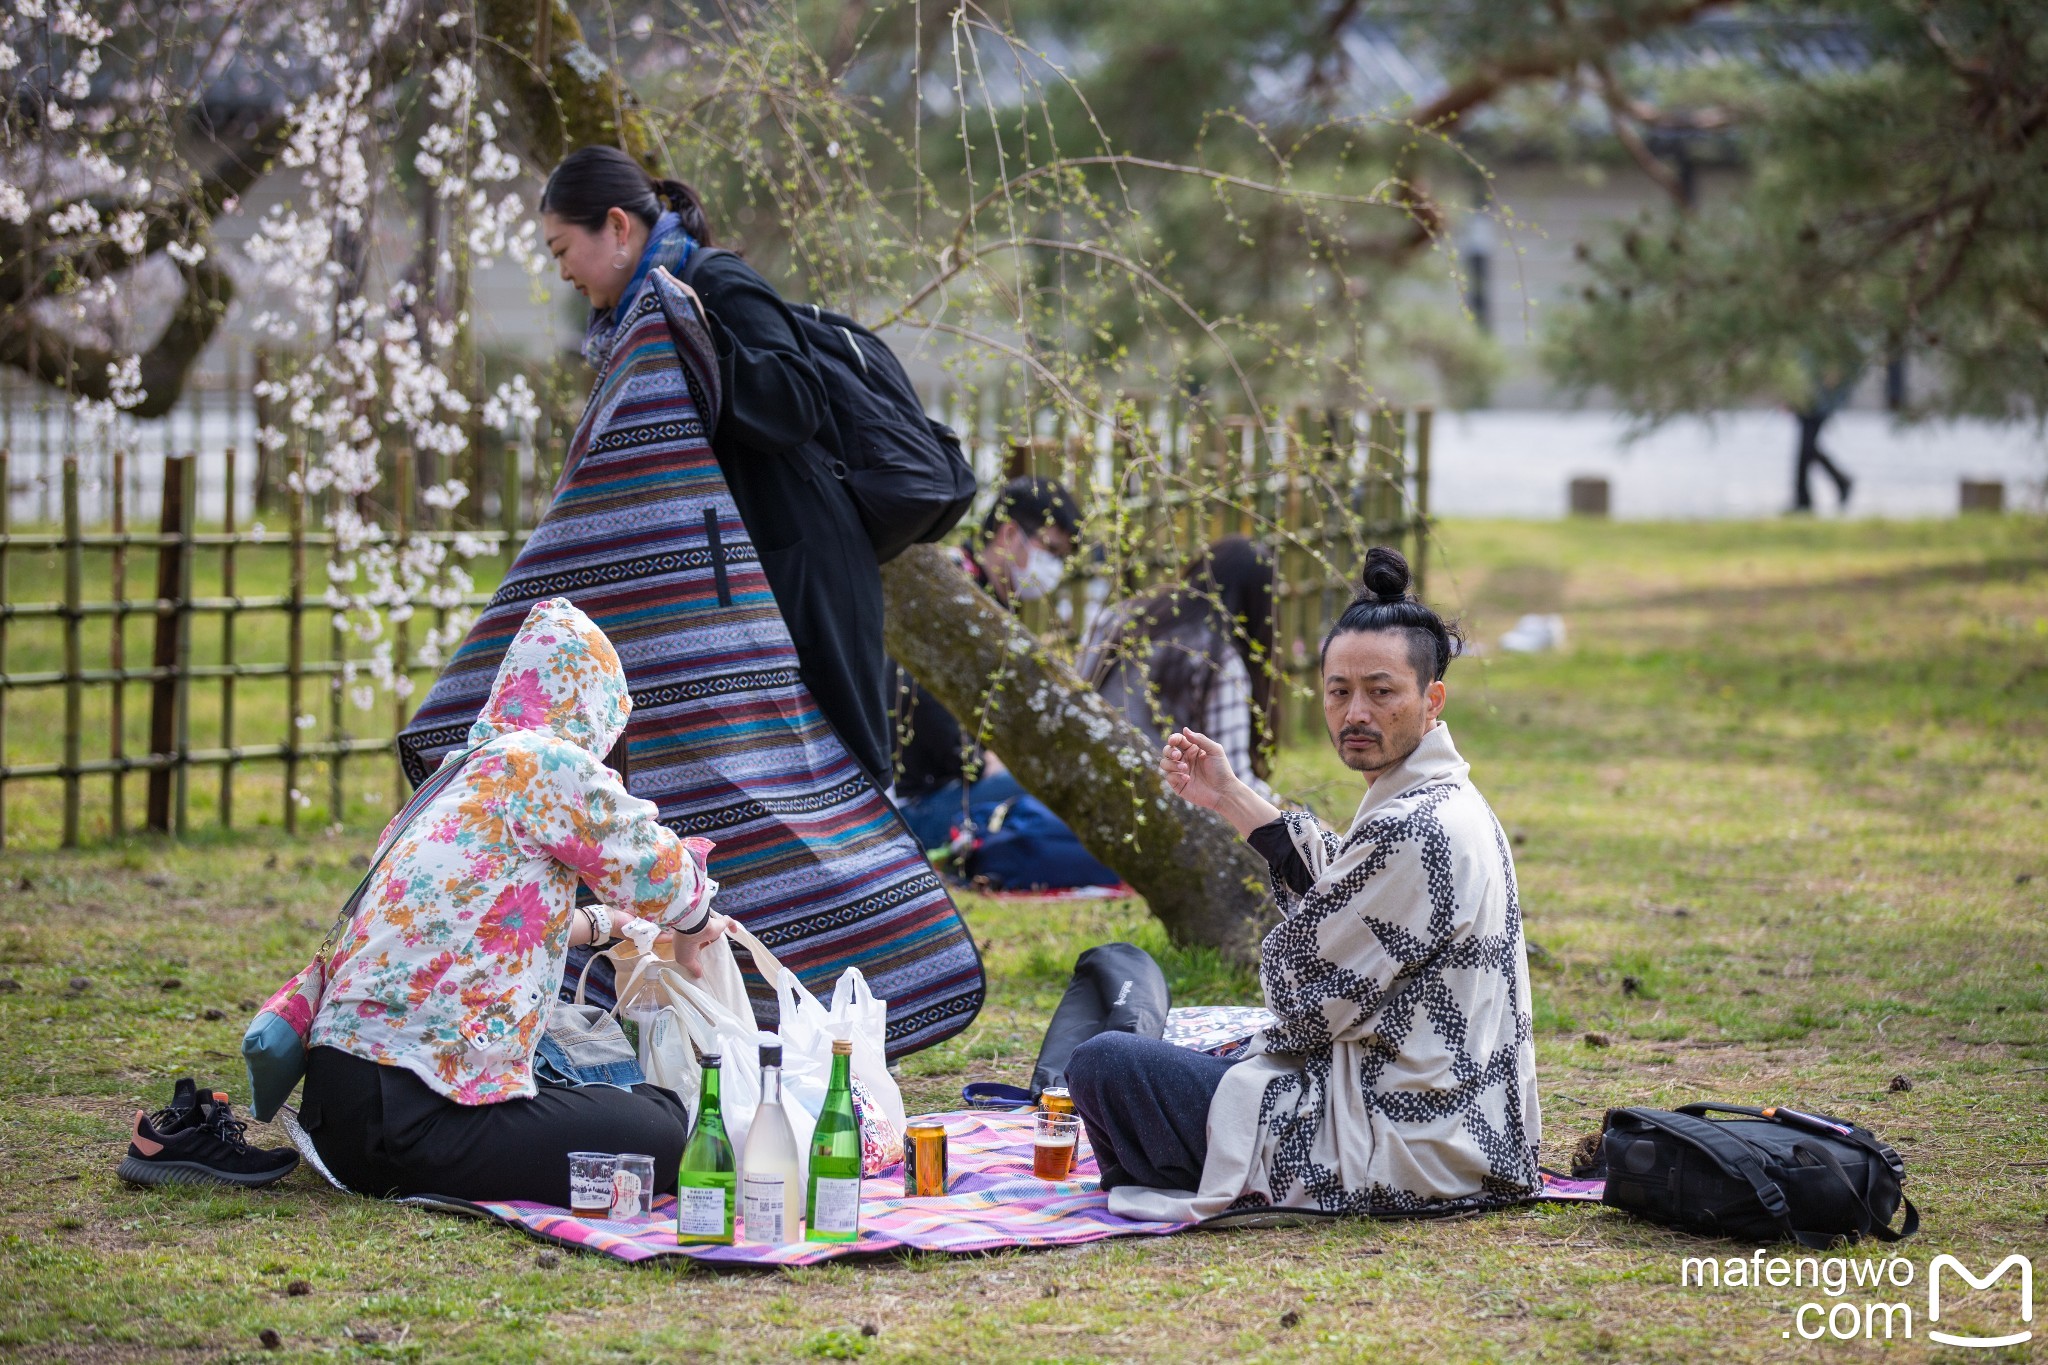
(608, 224)
(694, 522)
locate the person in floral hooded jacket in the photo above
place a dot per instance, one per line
(420, 1078)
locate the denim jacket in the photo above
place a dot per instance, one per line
(583, 1045)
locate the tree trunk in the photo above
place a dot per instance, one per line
(1074, 752)
(562, 95)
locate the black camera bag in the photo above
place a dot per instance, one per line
(1761, 1178)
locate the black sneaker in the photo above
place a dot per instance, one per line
(197, 1140)
(183, 1110)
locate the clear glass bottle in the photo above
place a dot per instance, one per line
(832, 1196)
(771, 1189)
(708, 1185)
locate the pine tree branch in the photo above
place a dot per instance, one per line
(1543, 61)
(1620, 117)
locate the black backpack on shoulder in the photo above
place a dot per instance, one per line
(1770, 1175)
(906, 473)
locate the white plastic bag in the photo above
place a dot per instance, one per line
(675, 1026)
(865, 1019)
(720, 1019)
(808, 1030)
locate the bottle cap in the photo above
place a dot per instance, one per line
(842, 1047)
(713, 1059)
(771, 1054)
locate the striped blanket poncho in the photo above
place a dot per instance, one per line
(644, 537)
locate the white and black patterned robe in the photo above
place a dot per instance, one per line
(1401, 1076)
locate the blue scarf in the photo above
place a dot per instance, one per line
(669, 247)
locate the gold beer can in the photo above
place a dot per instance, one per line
(1055, 1099)
(924, 1160)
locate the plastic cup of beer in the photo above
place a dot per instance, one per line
(590, 1183)
(1052, 1146)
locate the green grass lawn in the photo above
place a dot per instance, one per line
(1778, 816)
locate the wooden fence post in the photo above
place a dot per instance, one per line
(1420, 560)
(188, 509)
(74, 565)
(117, 652)
(337, 653)
(295, 638)
(227, 645)
(173, 546)
(6, 521)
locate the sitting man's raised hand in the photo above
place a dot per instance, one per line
(1195, 766)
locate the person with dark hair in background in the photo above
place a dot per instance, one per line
(1196, 654)
(608, 224)
(1017, 554)
(1400, 1074)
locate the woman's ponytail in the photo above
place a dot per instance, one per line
(679, 196)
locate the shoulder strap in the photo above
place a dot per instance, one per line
(698, 256)
(421, 797)
(1701, 1108)
(1857, 1137)
(1872, 1224)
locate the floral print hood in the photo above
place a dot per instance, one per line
(560, 674)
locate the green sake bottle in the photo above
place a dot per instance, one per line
(832, 1201)
(705, 1187)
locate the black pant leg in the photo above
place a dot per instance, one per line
(1145, 1104)
(425, 1143)
(342, 1111)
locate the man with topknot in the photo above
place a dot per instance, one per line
(1400, 1073)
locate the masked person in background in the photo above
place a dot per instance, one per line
(955, 794)
(1017, 555)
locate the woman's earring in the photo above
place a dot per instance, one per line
(619, 260)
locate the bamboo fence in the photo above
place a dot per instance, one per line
(1316, 486)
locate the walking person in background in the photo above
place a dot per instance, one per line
(608, 224)
(1830, 396)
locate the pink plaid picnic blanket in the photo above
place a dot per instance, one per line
(994, 1202)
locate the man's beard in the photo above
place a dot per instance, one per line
(1357, 761)
(1380, 760)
